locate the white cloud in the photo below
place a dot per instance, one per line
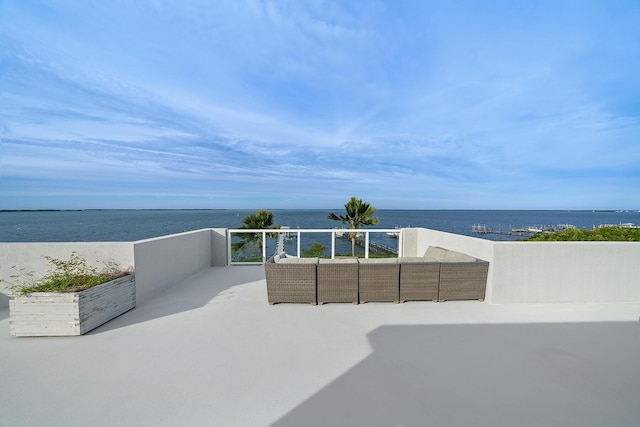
(429, 103)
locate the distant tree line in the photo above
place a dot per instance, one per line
(604, 234)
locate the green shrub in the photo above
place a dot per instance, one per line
(604, 234)
(316, 250)
(382, 255)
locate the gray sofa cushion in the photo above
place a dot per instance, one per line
(445, 255)
(457, 257)
(298, 261)
(417, 260)
(338, 261)
(378, 260)
(435, 252)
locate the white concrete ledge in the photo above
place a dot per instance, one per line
(519, 272)
(545, 272)
(166, 261)
(159, 263)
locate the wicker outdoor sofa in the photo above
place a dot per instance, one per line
(460, 276)
(291, 279)
(439, 275)
(338, 280)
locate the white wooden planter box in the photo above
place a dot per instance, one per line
(62, 314)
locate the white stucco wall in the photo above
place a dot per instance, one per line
(549, 272)
(544, 272)
(159, 262)
(417, 240)
(219, 247)
(166, 261)
(519, 272)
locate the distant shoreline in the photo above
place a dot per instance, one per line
(114, 209)
(315, 209)
(100, 225)
(40, 210)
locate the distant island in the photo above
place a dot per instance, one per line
(41, 210)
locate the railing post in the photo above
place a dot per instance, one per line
(333, 245)
(264, 246)
(366, 244)
(229, 260)
(298, 233)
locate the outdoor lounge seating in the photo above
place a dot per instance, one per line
(419, 279)
(338, 280)
(440, 275)
(379, 279)
(463, 280)
(462, 277)
(291, 279)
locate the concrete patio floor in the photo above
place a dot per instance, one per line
(211, 351)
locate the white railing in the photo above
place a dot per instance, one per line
(299, 232)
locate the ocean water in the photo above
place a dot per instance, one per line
(131, 225)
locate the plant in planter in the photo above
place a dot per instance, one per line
(71, 299)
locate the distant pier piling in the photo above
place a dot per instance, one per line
(481, 229)
(374, 247)
(522, 231)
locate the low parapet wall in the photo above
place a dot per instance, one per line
(166, 261)
(415, 242)
(519, 272)
(545, 272)
(158, 263)
(556, 272)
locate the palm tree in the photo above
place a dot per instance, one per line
(358, 214)
(260, 220)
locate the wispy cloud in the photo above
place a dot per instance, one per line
(303, 104)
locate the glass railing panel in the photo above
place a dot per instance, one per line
(256, 246)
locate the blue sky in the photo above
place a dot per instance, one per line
(302, 104)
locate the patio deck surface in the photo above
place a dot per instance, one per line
(211, 351)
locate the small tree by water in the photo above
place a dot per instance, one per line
(357, 215)
(316, 250)
(249, 242)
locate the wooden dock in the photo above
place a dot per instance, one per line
(522, 231)
(375, 247)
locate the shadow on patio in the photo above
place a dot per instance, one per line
(516, 374)
(4, 306)
(195, 292)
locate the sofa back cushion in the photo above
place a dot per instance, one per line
(435, 252)
(298, 261)
(338, 261)
(457, 257)
(445, 255)
(378, 260)
(417, 260)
